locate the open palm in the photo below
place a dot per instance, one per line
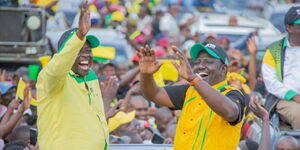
(147, 61)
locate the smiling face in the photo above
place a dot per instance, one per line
(83, 61)
(210, 69)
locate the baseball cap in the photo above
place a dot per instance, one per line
(212, 49)
(93, 40)
(119, 119)
(5, 86)
(292, 16)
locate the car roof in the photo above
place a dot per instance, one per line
(218, 23)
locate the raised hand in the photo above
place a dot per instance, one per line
(184, 69)
(114, 110)
(109, 88)
(13, 105)
(84, 20)
(2, 75)
(26, 102)
(147, 61)
(257, 109)
(251, 46)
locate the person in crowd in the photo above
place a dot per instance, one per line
(257, 108)
(135, 137)
(140, 105)
(21, 133)
(14, 114)
(108, 69)
(209, 106)
(159, 13)
(224, 42)
(8, 93)
(168, 24)
(210, 38)
(70, 107)
(162, 117)
(287, 143)
(280, 71)
(248, 145)
(284, 142)
(170, 132)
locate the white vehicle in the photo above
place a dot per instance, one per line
(238, 34)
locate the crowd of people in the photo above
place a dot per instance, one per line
(216, 95)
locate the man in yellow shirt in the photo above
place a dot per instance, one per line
(212, 111)
(70, 106)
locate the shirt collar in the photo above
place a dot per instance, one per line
(220, 85)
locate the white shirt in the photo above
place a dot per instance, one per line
(169, 24)
(292, 68)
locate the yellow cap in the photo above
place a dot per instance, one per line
(117, 16)
(119, 119)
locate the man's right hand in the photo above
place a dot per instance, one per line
(257, 109)
(147, 61)
(297, 99)
(84, 20)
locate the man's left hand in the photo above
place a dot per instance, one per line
(184, 69)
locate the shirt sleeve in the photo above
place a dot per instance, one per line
(273, 85)
(177, 94)
(51, 77)
(238, 98)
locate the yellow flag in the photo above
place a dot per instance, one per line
(33, 102)
(166, 72)
(104, 52)
(44, 60)
(20, 89)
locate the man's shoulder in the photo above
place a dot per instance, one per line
(277, 45)
(232, 91)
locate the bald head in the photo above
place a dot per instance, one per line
(287, 143)
(140, 105)
(162, 117)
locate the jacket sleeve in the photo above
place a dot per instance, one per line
(273, 85)
(53, 75)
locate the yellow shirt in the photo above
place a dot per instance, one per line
(199, 127)
(71, 116)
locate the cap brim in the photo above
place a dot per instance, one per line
(198, 47)
(93, 40)
(297, 21)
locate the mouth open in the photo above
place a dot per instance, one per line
(203, 75)
(84, 64)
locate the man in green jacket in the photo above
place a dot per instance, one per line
(70, 106)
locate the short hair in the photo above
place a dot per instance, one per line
(17, 132)
(15, 145)
(251, 144)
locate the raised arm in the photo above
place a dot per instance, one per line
(61, 63)
(252, 63)
(263, 114)
(148, 65)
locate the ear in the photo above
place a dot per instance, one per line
(224, 69)
(288, 28)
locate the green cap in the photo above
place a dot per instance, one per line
(93, 40)
(212, 49)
